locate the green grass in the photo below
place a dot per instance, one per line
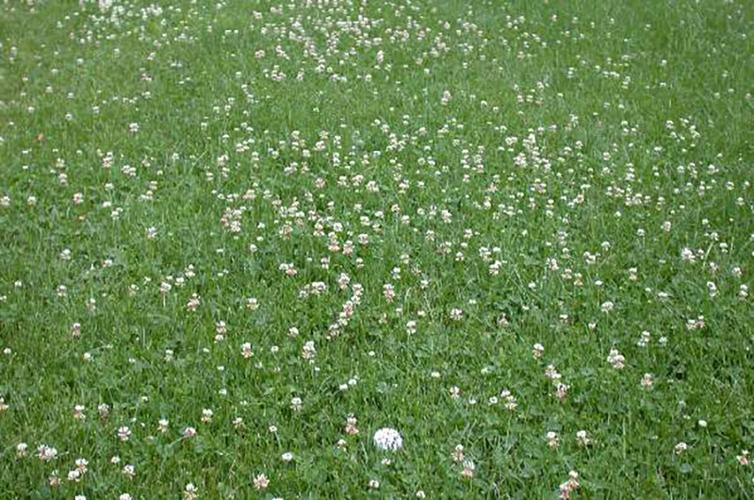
(577, 140)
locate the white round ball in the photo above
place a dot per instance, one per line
(388, 439)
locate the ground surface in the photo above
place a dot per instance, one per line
(524, 228)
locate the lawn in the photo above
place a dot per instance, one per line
(367, 249)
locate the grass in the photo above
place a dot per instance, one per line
(453, 183)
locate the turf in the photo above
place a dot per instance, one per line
(524, 228)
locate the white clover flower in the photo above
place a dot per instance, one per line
(616, 359)
(207, 415)
(261, 482)
(124, 433)
(129, 471)
(388, 439)
(190, 492)
(296, 404)
(47, 453)
(246, 350)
